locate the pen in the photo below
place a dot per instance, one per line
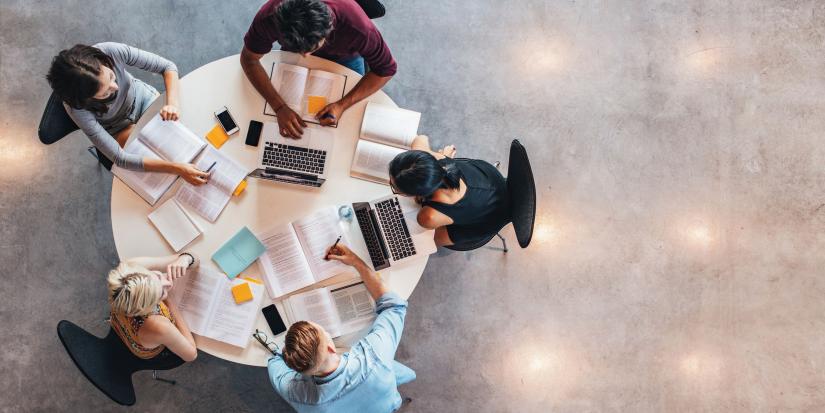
(332, 247)
(211, 166)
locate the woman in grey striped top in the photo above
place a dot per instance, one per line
(106, 101)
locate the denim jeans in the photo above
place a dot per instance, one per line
(356, 64)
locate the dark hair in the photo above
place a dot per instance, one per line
(301, 346)
(74, 74)
(303, 24)
(419, 173)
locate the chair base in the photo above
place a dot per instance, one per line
(158, 378)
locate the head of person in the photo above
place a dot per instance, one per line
(419, 173)
(304, 24)
(135, 290)
(83, 77)
(307, 348)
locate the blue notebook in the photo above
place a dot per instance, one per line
(238, 253)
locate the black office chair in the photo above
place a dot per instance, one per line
(522, 191)
(55, 124)
(373, 8)
(108, 364)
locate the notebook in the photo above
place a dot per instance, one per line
(159, 139)
(238, 253)
(175, 225)
(204, 298)
(341, 309)
(302, 89)
(385, 132)
(294, 256)
(210, 199)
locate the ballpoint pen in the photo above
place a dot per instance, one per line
(332, 247)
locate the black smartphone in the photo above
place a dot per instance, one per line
(276, 324)
(253, 134)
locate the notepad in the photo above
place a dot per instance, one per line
(217, 136)
(238, 253)
(315, 104)
(175, 225)
(241, 293)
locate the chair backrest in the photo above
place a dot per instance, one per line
(55, 123)
(522, 190)
(373, 8)
(107, 363)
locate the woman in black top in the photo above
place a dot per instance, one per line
(464, 200)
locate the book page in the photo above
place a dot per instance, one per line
(149, 185)
(321, 83)
(356, 309)
(317, 232)
(174, 224)
(283, 264)
(389, 125)
(171, 140)
(316, 306)
(209, 199)
(193, 296)
(230, 322)
(372, 161)
(289, 81)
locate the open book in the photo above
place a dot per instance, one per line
(385, 132)
(209, 199)
(159, 139)
(296, 84)
(294, 256)
(175, 225)
(341, 308)
(204, 298)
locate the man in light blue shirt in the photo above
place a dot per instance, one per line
(312, 377)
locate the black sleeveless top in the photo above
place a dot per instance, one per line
(486, 203)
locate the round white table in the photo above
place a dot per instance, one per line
(263, 204)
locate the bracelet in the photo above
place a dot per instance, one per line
(192, 257)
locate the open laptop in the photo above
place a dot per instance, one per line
(295, 161)
(391, 231)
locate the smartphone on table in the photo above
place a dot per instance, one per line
(227, 121)
(273, 318)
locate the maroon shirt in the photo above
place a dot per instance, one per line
(353, 34)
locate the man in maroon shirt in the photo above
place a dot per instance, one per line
(336, 30)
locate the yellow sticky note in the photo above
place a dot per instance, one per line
(252, 280)
(315, 103)
(240, 188)
(242, 293)
(217, 137)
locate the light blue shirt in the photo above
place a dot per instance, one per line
(364, 381)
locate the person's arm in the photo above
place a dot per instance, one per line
(290, 122)
(375, 285)
(368, 85)
(285, 381)
(170, 111)
(176, 337)
(175, 265)
(430, 218)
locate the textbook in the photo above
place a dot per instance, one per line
(341, 309)
(209, 199)
(238, 253)
(294, 256)
(306, 91)
(205, 300)
(175, 225)
(159, 139)
(385, 132)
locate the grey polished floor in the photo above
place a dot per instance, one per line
(677, 263)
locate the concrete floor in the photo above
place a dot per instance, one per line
(676, 264)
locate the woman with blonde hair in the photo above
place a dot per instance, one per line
(148, 324)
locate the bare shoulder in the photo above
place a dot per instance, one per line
(156, 326)
(428, 217)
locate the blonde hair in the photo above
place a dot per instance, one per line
(133, 290)
(301, 346)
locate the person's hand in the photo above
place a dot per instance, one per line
(169, 112)
(192, 174)
(178, 267)
(291, 124)
(330, 114)
(448, 151)
(343, 254)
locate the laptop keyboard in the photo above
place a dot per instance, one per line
(395, 229)
(294, 158)
(370, 238)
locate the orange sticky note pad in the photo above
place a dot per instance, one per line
(242, 293)
(217, 137)
(240, 188)
(315, 103)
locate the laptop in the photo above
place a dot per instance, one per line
(391, 231)
(296, 161)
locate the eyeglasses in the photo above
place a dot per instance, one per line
(266, 342)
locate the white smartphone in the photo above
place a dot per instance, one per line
(227, 121)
